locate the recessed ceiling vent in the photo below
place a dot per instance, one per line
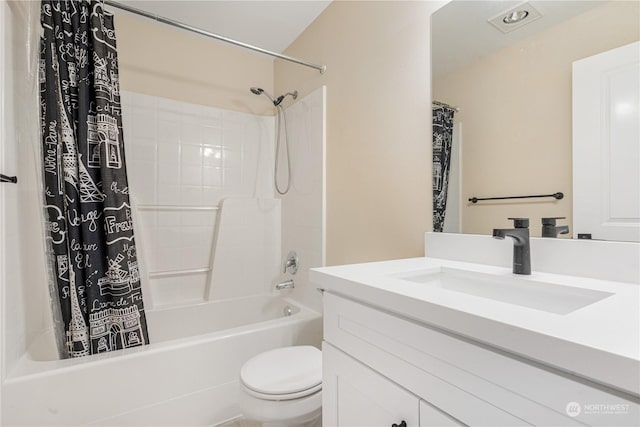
(514, 18)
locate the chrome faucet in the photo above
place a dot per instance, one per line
(521, 248)
(285, 285)
(549, 228)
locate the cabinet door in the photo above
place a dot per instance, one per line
(430, 416)
(355, 395)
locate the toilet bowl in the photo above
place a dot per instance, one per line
(283, 387)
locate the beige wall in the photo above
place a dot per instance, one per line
(156, 59)
(378, 124)
(515, 109)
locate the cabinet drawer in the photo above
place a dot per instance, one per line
(444, 369)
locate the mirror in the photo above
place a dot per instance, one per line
(512, 131)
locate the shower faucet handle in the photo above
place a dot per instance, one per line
(291, 264)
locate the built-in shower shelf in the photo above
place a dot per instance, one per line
(176, 208)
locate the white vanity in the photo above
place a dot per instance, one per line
(456, 339)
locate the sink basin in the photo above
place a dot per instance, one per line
(525, 291)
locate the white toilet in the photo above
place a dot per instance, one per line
(283, 387)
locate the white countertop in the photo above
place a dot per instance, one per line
(600, 342)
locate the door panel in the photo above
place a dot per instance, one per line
(606, 144)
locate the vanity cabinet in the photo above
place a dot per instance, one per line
(381, 369)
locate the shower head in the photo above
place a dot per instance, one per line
(260, 91)
(276, 102)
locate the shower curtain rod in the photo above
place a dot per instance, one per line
(442, 104)
(321, 68)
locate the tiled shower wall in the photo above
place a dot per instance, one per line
(303, 208)
(182, 160)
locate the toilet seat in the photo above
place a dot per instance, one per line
(288, 396)
(284, 373)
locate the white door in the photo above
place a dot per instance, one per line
(355, 395)
(606, 145)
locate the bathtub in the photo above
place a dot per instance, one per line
(188, 375)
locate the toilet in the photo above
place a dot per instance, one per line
(283, 387)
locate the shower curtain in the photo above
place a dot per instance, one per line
(442, 137)
(92, 251)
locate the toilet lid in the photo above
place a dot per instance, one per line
(284, 371)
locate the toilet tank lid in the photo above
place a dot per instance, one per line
(283, 370)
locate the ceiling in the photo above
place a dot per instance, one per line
(271, 25)
(461, 33)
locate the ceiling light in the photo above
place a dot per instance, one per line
(515, 16)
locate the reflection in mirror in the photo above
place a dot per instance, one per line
(511, 85)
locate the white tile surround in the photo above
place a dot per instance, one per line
(182, 160)
(186, 154)
(303, 208)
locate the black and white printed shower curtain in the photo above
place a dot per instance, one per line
(89, 224)
(442, 137)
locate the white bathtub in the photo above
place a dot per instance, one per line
(187, 376)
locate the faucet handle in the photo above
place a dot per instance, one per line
(520, 222)
(292, 263)
(552, 220)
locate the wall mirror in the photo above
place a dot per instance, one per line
(509, 83)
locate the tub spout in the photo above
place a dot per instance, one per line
(285, 285)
